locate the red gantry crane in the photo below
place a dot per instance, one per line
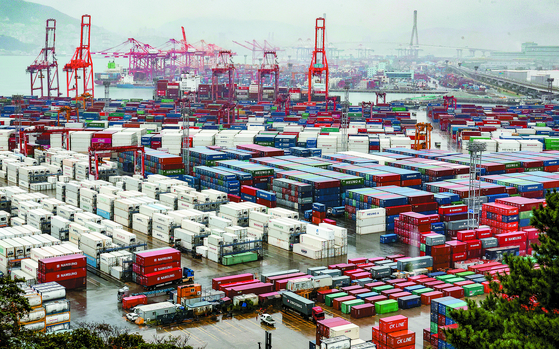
(224, 65)
(268, 69)
(100, 150)
(319, 64)
(81, 65)
(46, 66)
(255, 47)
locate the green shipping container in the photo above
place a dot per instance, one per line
(465, 273)
(346, 306)
(454, 280)
(420, 291)
(379, 289)
(434, 327)
(329, 299)
(330, 129)
(167, 101)
(473, 290)
(387, 306)
(444, 277)
(399, 109)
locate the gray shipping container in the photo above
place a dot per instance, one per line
(314, 271)
(297, 303)
(340, 342)
(331, 272)
(489, 242)
(380, 272)
(341, 281)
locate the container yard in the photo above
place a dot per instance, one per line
(229, 210)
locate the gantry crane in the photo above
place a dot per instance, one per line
(319, 64)
(449, 102)
(45, 65)
(24, 136)
(367, 109)
(224, 65)
(283, 102)
(422, 136)
(81, 65)
(67, 111)
(381, 95)
(268, 68)
(100, 150)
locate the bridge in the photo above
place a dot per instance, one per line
(522, 87)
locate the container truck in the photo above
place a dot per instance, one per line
(303, 306)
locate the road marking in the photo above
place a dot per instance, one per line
(220, 330)
(207, 333)
(192, 336)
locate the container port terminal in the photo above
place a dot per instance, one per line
(253, 204)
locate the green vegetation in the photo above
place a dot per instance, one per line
(86, 335)
(524, 313)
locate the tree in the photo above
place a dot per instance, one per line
(524, 313)
(12, 307)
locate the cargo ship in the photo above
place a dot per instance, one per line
(127, 81)
(112, 74)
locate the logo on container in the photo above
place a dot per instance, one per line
(397, 325)
(405, 340)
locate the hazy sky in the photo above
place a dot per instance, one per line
(367, 18)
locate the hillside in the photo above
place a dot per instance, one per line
(25, 22)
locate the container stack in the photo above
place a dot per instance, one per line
(334, 327)
(293, 194)
(214, 178)
(410, 227)
(50, 308)
(259, 196)
(525, 207)
(69, 271)
(440, 319)
(151, 268)
(501, 218)
(392, 332)
(451, 216)
(371, 221)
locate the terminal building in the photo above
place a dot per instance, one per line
(530, 51)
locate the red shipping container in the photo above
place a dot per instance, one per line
(433, 284)
(275, 279)
(513, 238)
(351, 288)
(426, 280)
(226, 287)
(473, 245)
(427, 334)
(457, 246)
(442, 287)
(353, 271)
(357, 260)
(359, 291)
(71, 284)
(399, 295)
(154, 257)
(465, 235)
(401, 339)
(49, 265)
(482, 233)
(132, 301)
(230, 279)
(395, 281)
(428, 296)
(456, 292)
(138, 269)
(403, 285)
(362, 310)
(254, 288)
(159, 277)
(62, 275)
(375, 299)
(321, 294)
(375, 259)
(440, 250)
(416, 278)
(393, 324)
(457, 257)
(337, 302)
(463, 283)
(391, 291)
(323, 327)
(453, 209)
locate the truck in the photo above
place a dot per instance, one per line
(150, 312)
(303, 306)
(267, 320)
